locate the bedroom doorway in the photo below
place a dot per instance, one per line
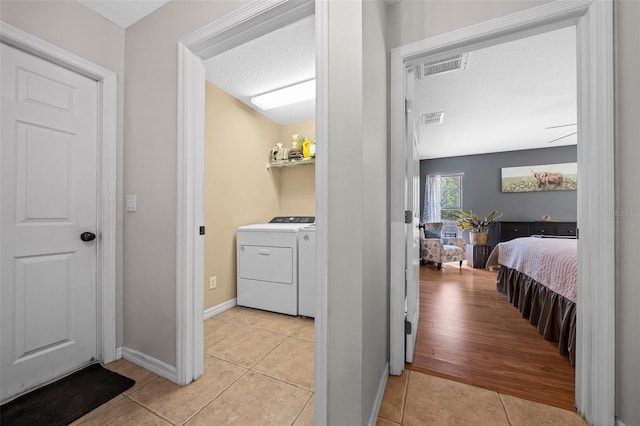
(595, 372)
(488, 342)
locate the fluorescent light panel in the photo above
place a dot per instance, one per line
(286, 96)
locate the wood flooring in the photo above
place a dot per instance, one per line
(469, 332)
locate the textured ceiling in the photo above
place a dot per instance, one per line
(123, 12)
(504, 99)
(278, 59)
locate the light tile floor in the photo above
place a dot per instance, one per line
(259, 370)
(417, 399)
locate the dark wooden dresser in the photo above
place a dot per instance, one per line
(509, 230)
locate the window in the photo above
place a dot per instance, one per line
(450, 196)
(443, 198)
(450, 203)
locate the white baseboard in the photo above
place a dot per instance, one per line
(218, 309)
(118, 352)
(149, 363)
(619, 422)
(382, 385)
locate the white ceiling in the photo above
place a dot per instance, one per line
(123, 13)
(504, 99)
(278, 59)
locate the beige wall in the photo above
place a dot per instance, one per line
(73, 27)
(239, 189)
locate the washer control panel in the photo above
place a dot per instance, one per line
(293, 219)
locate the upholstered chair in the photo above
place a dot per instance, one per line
(436, 249)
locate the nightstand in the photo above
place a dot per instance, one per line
(477, 256)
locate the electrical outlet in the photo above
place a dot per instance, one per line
(212, 283)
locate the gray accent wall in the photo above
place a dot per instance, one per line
(481, 188)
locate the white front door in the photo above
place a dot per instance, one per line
(48, 162)
(412, 239)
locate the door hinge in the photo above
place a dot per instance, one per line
(408, 106)
(202, 230)
(408, 216)
(577, 233)
(407, 327)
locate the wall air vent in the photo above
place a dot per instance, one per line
(443, 65)
(432, 118)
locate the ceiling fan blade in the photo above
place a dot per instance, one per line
(562, 125)
(565, 136)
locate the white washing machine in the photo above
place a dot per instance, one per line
(267, 264)
(307, 271)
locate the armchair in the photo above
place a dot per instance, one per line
(438, 250)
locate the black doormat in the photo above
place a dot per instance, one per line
(65, 400)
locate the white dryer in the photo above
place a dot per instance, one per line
(267, 264)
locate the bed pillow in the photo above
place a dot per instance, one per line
(432, 233)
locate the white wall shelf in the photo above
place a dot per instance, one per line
(285, 164)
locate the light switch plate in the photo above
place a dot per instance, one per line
(131, 203)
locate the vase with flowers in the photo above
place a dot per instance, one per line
(479, 228)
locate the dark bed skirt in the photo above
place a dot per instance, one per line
(554, 315)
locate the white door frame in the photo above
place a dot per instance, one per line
(244, 24)
(106, 220)
(595, 363)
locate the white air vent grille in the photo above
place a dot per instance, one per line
(443, 65)
(432, 118)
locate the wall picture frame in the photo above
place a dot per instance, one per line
(541, 177)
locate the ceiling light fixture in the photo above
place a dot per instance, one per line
(286, 96)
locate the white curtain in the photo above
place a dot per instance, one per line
(432, 200)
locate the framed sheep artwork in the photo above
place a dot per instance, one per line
(545, 177)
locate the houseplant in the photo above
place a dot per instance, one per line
(479, 228)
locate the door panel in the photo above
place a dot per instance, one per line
(44, 197)
(48, 158)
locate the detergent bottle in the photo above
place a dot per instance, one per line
(306, 148)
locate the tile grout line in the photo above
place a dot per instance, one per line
(141, 386)
(302, 409)
(215, 397)
(405, 395)
(504, 408)
(144, 407)
(282, 381)
(226, 360)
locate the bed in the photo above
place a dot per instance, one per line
(539, 276)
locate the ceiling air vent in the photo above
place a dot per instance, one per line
(443, 65)
(432, 118)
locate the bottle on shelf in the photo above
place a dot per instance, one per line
(306, 151)
(295, 152)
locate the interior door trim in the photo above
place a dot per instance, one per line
(244, 24)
